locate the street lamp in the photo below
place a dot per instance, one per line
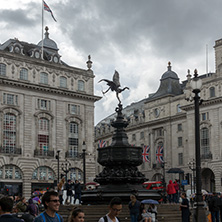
(66, 168)
(57, 157)
(199, 213)
(84, 161)
(191, 165)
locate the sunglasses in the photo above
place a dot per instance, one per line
(116, 210)
(55, 201)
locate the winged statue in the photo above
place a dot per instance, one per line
(114, 85)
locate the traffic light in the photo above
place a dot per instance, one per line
(187, 177)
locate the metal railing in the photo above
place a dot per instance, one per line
(10, 150)
(49, 153)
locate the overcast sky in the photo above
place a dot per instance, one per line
(135, 37)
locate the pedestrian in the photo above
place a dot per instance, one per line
(78, 190)
(171, 192)
(76, 215)
(6, 206)
(32, 208)
(68, 192)
(51, 204)
(115, 207)
(184, 207)
(153, 210)
(214, 208)
(21, 206)
(134, 207)
(177, 187)
(60, 187)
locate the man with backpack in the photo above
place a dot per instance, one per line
(115, 207)
(51, 203)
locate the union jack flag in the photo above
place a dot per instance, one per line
(46, 7)
(159, 154)
(102, 144)
(146, 153)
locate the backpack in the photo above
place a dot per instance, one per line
(43, 217)
(106, 219)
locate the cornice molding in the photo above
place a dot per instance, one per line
(48, 89)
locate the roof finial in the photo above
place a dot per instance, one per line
(46, 32)
(89, 62)
(169, 67)
(188, 75)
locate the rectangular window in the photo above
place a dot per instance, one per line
(2, 69)
(180, 158)
(10, 99)
(44, 104)
(180, 141)
(44, 78)
(205, 116)
(74, 109)
(179, 127)
(141, 135)
(159, 132)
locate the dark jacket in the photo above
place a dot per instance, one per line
(214, 204)
(9, 218)
(134, 209)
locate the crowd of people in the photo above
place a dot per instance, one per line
(51, 202)
(73, 189)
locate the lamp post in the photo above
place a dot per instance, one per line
(66, 168)
(191, 165)
(57, 157)
(199, 213)
(84, 161)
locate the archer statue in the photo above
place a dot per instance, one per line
(114, 85)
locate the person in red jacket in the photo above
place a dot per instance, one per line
(171, 191)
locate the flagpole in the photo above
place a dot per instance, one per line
(42, 26)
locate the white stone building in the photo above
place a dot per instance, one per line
(166, 119)
(46, 106)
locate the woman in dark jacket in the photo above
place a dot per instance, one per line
(185, 208)
(32, 208)
(134, 207)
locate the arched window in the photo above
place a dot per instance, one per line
(81, 85)
(73, 139)
(43, 136)
(76, 174)
(212, 92)
(10, 172)
(43, 173)
(204, 142)
(43, 78)
(9, 133)
(24, 74)
(2, 69)
(63, 82)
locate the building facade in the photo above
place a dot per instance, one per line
(164, 125)
(46, 109)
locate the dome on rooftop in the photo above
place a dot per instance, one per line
(47, 42)
(169, 73)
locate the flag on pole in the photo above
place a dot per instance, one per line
(159, 154)
(46, 7)
(146, 153)
(102, 144)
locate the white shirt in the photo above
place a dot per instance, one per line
(109, 220)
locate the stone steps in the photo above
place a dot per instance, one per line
(166, 212)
